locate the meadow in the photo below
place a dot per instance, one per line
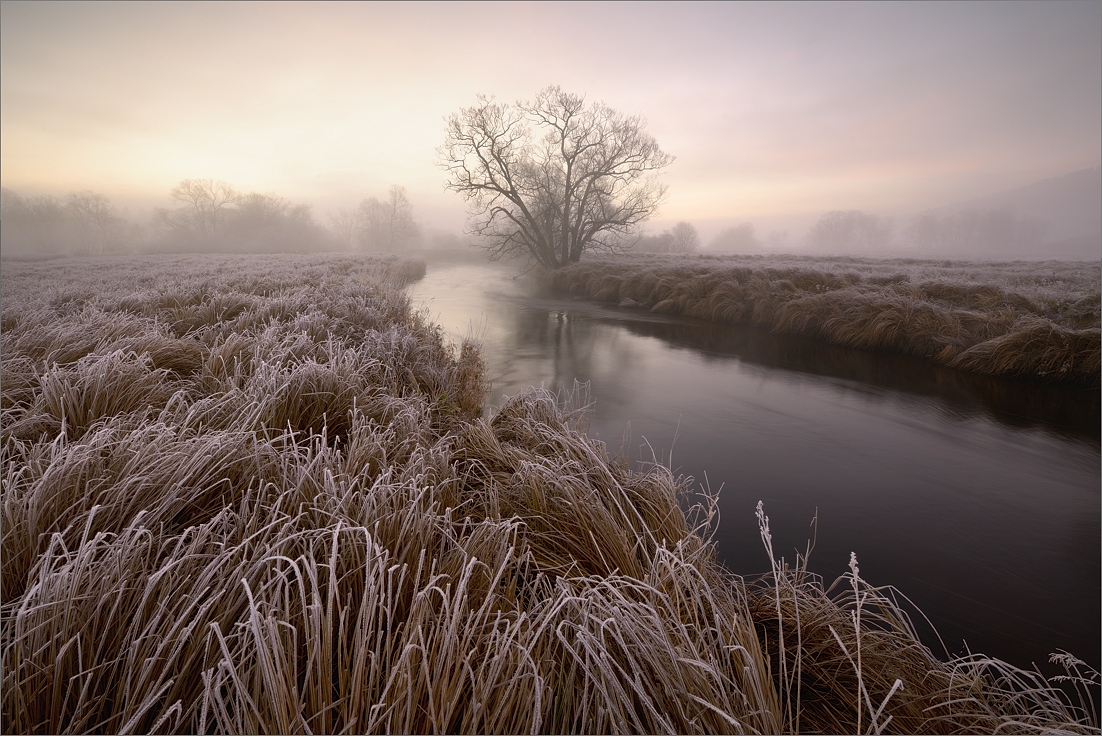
(1037, 320)
(259, 494)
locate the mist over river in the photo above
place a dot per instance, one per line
(978, 498)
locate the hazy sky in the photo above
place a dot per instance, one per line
(770, 109)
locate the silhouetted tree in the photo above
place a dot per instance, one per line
(99, 225)
(269, 222)
(554, 177)
(345, 225)
(389, 225)
(681, 238)
(81, 221)
(42, 222)
(218, 216)
(685, 238)
(205, 202)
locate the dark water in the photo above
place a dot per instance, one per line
(979, 499)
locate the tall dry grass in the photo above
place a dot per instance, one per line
(259, 496)
(1037, 320)
(848, 659)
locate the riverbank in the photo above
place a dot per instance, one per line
(257, 495)
(1032, 320)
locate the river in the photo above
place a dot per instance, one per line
(977, 498)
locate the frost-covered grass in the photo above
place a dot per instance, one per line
(258, 495)
(1037, 320)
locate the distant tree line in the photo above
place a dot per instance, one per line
(78, 222)
(975, 231)
(208, 215)
(379, 225)
(962, 232)
(213, 215)
(965, 232)
(681, 238)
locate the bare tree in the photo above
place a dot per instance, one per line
(401, 227)
(13, 217)
(206, 201)
(259, 209)
(45, 221)
(98, 223)
(554, 177)
(681, 238)
(269, 222)
(371, 224)
(685, 238)
(345, 224)
(81, 221)
(389, 225)
(257, 212)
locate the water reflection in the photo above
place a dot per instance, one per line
(1017, 403)
(978, 498)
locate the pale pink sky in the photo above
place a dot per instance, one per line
(771, 109)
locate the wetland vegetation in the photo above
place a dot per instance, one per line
(259, 495)
(1024, 319)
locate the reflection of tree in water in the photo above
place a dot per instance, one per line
(744, 443)
(1016, 403)
(578, 349)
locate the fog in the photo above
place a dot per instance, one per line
(836, 128)
(942, 416)
(1057, 218)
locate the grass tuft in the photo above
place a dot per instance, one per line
(1033, 320)
(259, 495)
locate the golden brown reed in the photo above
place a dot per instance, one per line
(1036, 320)
(848, 659)
(280, 510)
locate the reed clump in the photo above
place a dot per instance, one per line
(848, 659)
(1035, 320)
(259, 495)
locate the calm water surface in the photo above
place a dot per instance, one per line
(977, 498)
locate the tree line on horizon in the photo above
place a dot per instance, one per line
(546, 179)
(855, 231)
(212, 215)
(207, 215)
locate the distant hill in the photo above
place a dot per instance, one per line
(1068, 207)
